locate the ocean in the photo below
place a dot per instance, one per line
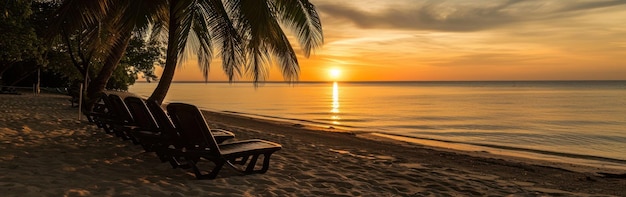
(572, 121)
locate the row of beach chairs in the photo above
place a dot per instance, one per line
(179, 135)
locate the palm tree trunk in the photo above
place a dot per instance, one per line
(97, 85)
(166, 79)
(160, 92)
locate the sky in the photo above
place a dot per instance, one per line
(460, 40)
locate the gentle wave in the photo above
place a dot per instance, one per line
(514, 148)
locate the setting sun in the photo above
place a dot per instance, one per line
(334, 73)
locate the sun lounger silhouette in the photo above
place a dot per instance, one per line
(156, 133)
(199, 143)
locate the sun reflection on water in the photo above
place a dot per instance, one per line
(335, 105)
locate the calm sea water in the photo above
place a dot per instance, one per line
(572, 119)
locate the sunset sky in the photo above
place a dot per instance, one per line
(422, 40)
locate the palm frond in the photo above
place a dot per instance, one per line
(182, 17)
(226, 36)
(202, 34)
(265, 39)
(75, 14)
(139, 14)
(302, 18)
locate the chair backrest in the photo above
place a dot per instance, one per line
(159, 114)
(192, 127)
(100, 106)
(141, 114)
(163, 121)
(121, 111)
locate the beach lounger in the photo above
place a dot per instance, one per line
(99, 111)
(120, 122)
(147, 132)
(164, 122)
(104, 108)
(111, 114)
(200, 143)
(152, 136)
(172, 151)
(157, 133)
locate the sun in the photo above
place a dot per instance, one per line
(334, 73)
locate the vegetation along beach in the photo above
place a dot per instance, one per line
(312, 98)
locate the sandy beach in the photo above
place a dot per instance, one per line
(46, 151)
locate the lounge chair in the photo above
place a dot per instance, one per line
(99, 111)
(111, 113)
(199, 143)
(102, 114)
(148, 133)
(157, 133)
(121, 122)
(164, 122)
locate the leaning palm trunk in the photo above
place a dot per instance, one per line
(164, 82)
(97, 85)
(172, 56)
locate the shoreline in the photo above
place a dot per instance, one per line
(607, 164)
(558, 160)
(493, 163)
(46, 151)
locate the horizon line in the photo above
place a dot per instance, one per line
(399, 81)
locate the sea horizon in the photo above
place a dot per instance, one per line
(393, 81)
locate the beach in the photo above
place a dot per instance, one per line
(46, 151)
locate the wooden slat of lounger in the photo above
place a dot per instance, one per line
(248, 147)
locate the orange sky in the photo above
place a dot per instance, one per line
(462, 40)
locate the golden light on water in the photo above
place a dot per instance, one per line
(335, 105)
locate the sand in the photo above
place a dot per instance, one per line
(46, 151)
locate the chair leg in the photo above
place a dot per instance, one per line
(264, 168)
(216, 170)
(119, 134)
(242, 160)
(266, 162)
(210, 175)
(92, 119)
(132, 138)
(175, 163)
(107, 128)
(252, 163)
(195, 169)
(250, 168)
(99, 124)
(166, 154)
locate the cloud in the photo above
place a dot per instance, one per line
(461, 16)
(494, 59)
(588, 5)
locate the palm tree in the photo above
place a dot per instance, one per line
(127, 17)
(110, 25)
(247, 32)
